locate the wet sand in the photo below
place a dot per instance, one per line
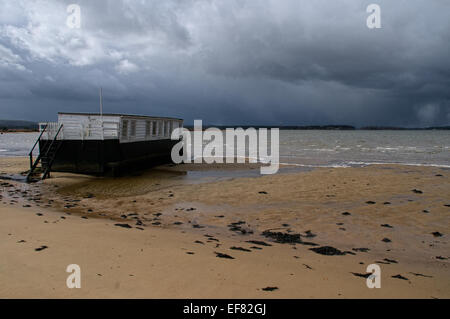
(193, 231)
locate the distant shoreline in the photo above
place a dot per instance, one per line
(18, 126)
(18, 131)
(15, 126)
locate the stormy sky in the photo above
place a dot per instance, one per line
(261, 62)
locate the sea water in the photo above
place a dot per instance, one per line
(327, 148)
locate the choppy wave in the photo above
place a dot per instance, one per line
(362, 164)
(398, 163)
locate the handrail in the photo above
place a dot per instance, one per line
(54, 139)
(40, 156)
(49, 164)
(32, 149)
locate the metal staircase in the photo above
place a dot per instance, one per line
(46, 156)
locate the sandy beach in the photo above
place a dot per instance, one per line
(200, 231)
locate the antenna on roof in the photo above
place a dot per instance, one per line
(101, 103)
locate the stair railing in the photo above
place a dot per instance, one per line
(39, 157)
(34, 146)
(54, 139)
(50, 162)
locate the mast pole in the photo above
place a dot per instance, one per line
(101, 104)
(101, 112)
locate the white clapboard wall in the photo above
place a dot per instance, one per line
(126, 128)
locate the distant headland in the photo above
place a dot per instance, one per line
(18, 126)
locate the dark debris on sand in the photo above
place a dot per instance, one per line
(399, 277)
(386, 225)
(211, 238)
(392, 261)
(239, 228)
(220, 255)
(328, 251)
(269, 288)
(386, 240)
(139, 223)
(240, 248)
(346, 214)
(366, 275)
(258, 242)
(369, 202)
(283, 238)
(123, 225)
(309, 234)
(41, 248)
(437, 234)
(416, 191)
(386, 261)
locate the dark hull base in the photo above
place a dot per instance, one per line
(109, 157)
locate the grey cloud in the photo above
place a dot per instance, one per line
(230, 62)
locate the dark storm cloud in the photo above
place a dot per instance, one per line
(227, 62)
